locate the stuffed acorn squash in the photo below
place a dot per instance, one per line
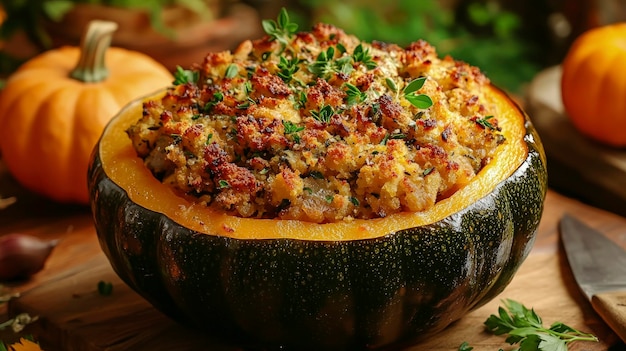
(359, 269)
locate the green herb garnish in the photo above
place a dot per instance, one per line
(525, 327)
(105, 288)
(324, 114)
(176, 138)
(355, 95)
(325, 64)
(363, 55)
(389, 136)
(391, 84)
(485, 123)
(342, 49)
(418, 100)
(245, 104)
(183, 76)
(281, 30)
(287, 68)
(302, 100)
(428, 171)
(316, 175)
(354, 201)
(231, 71)
(218, 96)
(222, 184)
(291, 128)
(343, 65)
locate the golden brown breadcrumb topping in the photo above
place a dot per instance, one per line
(319, 126)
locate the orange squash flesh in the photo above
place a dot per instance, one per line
(126, 169)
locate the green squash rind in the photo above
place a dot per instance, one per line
(314, 295)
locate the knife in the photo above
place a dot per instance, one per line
(599, 267)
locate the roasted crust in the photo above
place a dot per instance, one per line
(254, 139)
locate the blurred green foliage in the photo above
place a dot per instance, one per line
(480, 32)
(28, 15)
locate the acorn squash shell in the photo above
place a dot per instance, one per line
(388, 289)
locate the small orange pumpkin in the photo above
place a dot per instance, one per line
(593, 85)
(53, 109)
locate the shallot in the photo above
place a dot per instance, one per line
(23, 255)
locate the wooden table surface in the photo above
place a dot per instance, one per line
(544, 282)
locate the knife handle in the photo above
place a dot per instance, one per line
(611, 306)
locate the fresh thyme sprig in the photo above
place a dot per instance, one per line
(394, 135)
(287, 68)
(485, 123)
(324, 114)
(363, 55)
(354, 94)
(525, 327)
(301, 100)
(281, 30)
(421, 101)
(325, 64)
(293, 129)
(218, 97)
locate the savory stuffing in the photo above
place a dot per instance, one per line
(319, 126)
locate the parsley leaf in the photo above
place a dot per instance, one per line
(524, 327)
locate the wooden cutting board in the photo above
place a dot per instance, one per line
(73, 316)
(573, 159)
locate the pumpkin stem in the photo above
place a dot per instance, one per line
(94, 44)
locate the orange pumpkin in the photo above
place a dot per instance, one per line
(54, 108)
(593, 85)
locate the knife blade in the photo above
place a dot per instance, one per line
(599, 268)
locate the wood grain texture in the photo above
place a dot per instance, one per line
(73, 316)
(577, 166)
(612, 307)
